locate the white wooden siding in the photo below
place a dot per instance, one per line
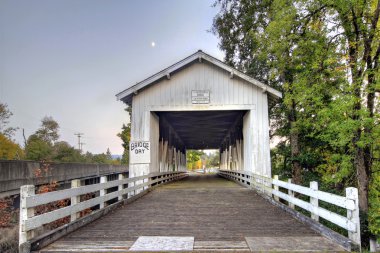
(226, 93)
(199, 76)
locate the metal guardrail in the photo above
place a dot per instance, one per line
(271, 187)
(29, 221)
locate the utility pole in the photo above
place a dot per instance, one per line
(79, 143)
(23, 134)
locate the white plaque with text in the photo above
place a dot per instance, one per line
(139, 152)
(200, 96)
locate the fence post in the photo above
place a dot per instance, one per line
(25, 213)
(76, 199)
(291, 194)
(353, 215)
(276, 188)
(103, 192)
(314, 201)
(372, 244)
(121, 187)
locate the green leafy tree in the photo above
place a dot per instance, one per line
(64, 152)
(100, 158)
(40, 145)
(125, 136)
(48, 131)
(323, 55)
(88, 157)
(354, 115)
(213, 160)
(358, 22)
(108, 154)
(5, 114)
(193, 157)
(294, 56)
(103, 158)
(280, 158)
(38, 149)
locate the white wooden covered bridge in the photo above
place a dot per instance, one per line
(197, 103)
(201, 103)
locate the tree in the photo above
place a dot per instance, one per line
(5, 114)
(356, 27)
(193, 158)
(125, 136)
(64, 152)
(100, 158)
(323, 55)
(358, 22)
(213, 160)
(291, 52)
(9, 150)
(48, 131)
(108, 154)
(38, 149)
(40, 145)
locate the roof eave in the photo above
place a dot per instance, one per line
(162, 74)
(199, 55)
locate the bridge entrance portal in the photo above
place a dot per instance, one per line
(184, 130)
(199, 103)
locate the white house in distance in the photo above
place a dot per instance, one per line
(199, 103)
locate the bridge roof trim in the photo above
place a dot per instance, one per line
(127, 94)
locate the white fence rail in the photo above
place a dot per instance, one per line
(271, 187)
(29, 221)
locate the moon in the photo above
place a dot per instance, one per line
(153, 44)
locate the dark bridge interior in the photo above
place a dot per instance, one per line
(201, 129)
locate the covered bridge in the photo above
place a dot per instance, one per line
(199, 103)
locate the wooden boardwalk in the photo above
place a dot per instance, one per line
(208, 212)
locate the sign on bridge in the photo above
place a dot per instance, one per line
(139, 152)
(200, 96)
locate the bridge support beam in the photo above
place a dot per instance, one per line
(256, 139)
(166, 150)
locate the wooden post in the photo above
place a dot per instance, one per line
(314, 201)
(372, 244)
(353, 215)
(103, 192)
(170, 158)
(264, 186)
(160, 154)
(291, 194)
(229, 158)
(276, 188)
(175, 158)
(75, 200)
(121, 187)
(26, 191)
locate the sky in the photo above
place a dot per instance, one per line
(69, 58)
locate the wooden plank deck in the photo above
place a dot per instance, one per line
(217, 213)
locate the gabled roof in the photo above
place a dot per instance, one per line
(127, 94)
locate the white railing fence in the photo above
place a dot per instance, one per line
(271, 187)
(124, 188)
